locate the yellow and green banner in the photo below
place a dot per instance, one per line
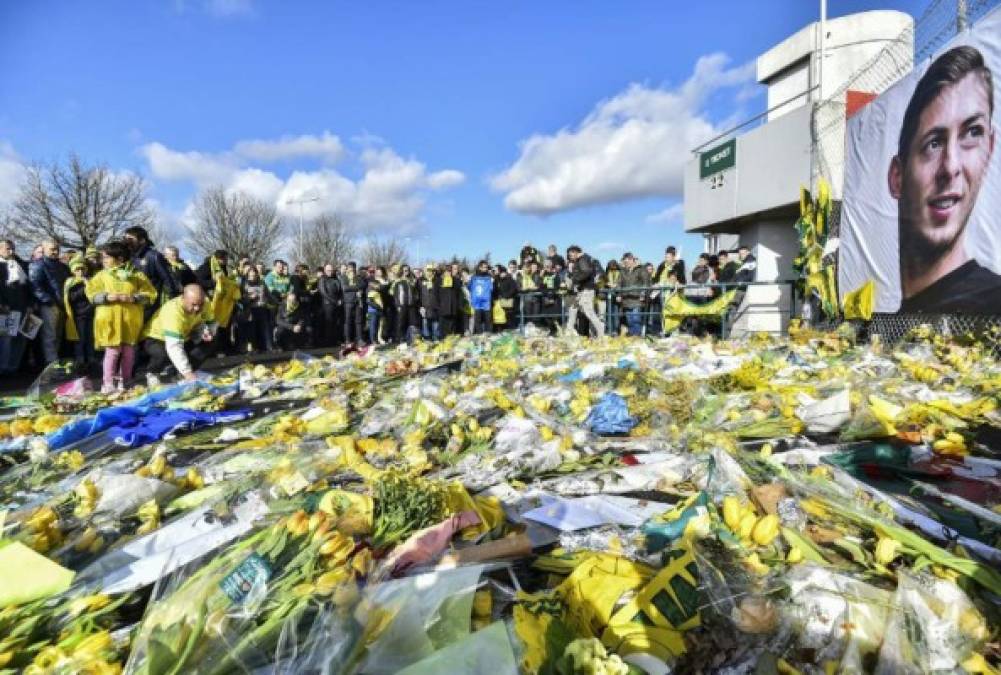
(677, 308)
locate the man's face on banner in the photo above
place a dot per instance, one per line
(937, 184)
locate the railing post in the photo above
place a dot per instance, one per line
(521, 314)
(792, 299)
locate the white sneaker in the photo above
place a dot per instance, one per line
(107, 389)
(152, 381)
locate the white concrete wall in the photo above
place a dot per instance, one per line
(772, 162)
(790, 88)
(714, 243)
(766, 308)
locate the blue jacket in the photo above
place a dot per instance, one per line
(481, 287)
(48, 276)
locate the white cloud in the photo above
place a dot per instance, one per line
(12, 173)
(669, 215)
(442, 180)
(326, 147)
(198, 167)
(257, 183)
(610, 246)
(388, 194)
(634, 144)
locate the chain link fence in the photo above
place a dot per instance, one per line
(892, 328)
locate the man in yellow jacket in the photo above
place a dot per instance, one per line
(181, 333)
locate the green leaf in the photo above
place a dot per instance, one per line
(159, 657)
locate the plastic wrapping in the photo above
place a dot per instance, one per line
(933, 628)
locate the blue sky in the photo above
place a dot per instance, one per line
(472, 126)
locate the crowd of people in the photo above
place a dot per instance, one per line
(146, 309)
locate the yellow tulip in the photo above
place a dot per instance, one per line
(765, 530)
(746, 526)
(886, 550)
(731, 512)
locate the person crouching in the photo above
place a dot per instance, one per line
(294, 328)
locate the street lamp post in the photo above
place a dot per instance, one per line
(417, 241)
(300, 201)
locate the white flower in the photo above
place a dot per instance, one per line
(38, 450)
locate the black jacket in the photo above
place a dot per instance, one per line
(15, 295)
(254, 294)
(427, 291)
(585, 268)
(330, 291)
(678, 268)
(289, 320)
(78, 301)
(182, 274)
(450, 298)
(404, 292)
(353, 291)
(204, 276)
(507, 288)
(701, 274)
(728, 271)
(151, 262)
(748, 269)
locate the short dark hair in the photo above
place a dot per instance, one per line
(743, 247)
(137, 232)
(117, 250)
(352, 263)
(723, 252)
(220, 253)
(574, 248)
(945, 71)
(671, 250)
(279, 260)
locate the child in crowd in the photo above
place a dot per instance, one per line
(79, 313)
(119, 293)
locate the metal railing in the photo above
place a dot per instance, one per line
(750, 121)
(549, 308)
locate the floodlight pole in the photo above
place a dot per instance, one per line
(300, 201)
(822, 48)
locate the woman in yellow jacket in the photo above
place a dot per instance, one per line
(119, 293)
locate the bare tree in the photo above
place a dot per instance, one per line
(7, 229)
(384, 252)
(326, 239)
(79, 205)
(237, 223)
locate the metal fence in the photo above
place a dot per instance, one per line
(550, 309)
(892, 328)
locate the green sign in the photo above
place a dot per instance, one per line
(717, 159)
